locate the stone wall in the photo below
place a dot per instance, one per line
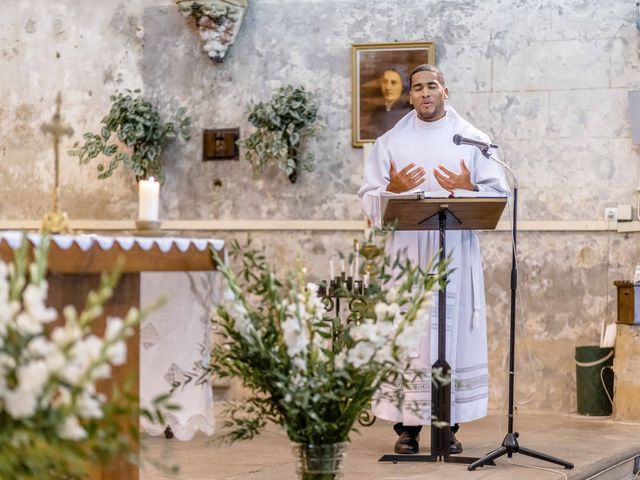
(547, 80)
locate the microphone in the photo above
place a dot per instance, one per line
(460, 140)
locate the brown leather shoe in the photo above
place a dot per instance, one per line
(407, 443)
(455, 446)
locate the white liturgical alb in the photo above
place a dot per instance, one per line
(429, 144)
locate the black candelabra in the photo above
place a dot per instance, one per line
(344, 289)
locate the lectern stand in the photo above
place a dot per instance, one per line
(442, 214)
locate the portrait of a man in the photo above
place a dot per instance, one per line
(380, 85)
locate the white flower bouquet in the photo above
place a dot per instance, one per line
(307, 372)
(54, 422)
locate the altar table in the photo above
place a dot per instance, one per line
(75, 265)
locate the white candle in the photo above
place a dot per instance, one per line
(148, 199)
(357, 275)
(351, 270)
(366, 280)
(342, 269)
(366, 151)
(332, 273)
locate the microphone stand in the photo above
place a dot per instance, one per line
(510, 443)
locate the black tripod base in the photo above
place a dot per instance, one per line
(430, 458)
(509, 447)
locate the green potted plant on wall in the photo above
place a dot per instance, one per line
(282, 125)
(133, 133)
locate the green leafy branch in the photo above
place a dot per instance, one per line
(133, 134)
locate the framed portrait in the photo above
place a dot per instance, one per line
(380, 76)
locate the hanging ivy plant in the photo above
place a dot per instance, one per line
(282, 125)
(133, 133)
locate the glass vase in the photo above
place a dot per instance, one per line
(319, 462)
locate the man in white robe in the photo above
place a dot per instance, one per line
(418, 152)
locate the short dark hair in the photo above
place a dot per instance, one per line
(426, 67)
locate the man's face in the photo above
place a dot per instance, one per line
(427, 96)
(391, 86)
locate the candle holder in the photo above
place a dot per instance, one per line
(354, 294)
(148, 224)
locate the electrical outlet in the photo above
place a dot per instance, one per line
(610, 213)
(625, 213)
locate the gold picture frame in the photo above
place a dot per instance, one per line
(378, 71)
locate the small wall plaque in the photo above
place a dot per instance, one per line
(220, 144)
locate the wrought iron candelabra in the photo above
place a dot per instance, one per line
(352, 292)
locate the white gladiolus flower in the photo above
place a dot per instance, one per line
(6, 361)
(361, 354)
(380, 310)
(20, 403)
(39, 347)
(117, 353)
(228, 296)
(383, 354)
(71, 429)
(72, 372)
(55, 361)
(63, 398)
(392, 294)
(408, 341)
(34, 302)
(67, 335)
(70, 314)
(340, 360)
(28, 325)
(312, 287)
(32, 377)
(101, 372)
(393, 310)
(241, 321)
(114, 328)
(295, 336)
(89, 406)
(299, 363)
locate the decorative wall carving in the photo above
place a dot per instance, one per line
(218, 23)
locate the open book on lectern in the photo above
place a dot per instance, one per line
(419, 194)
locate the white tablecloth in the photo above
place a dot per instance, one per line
(175, 343)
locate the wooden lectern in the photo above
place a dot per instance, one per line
(75, 270)
(442, 214)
